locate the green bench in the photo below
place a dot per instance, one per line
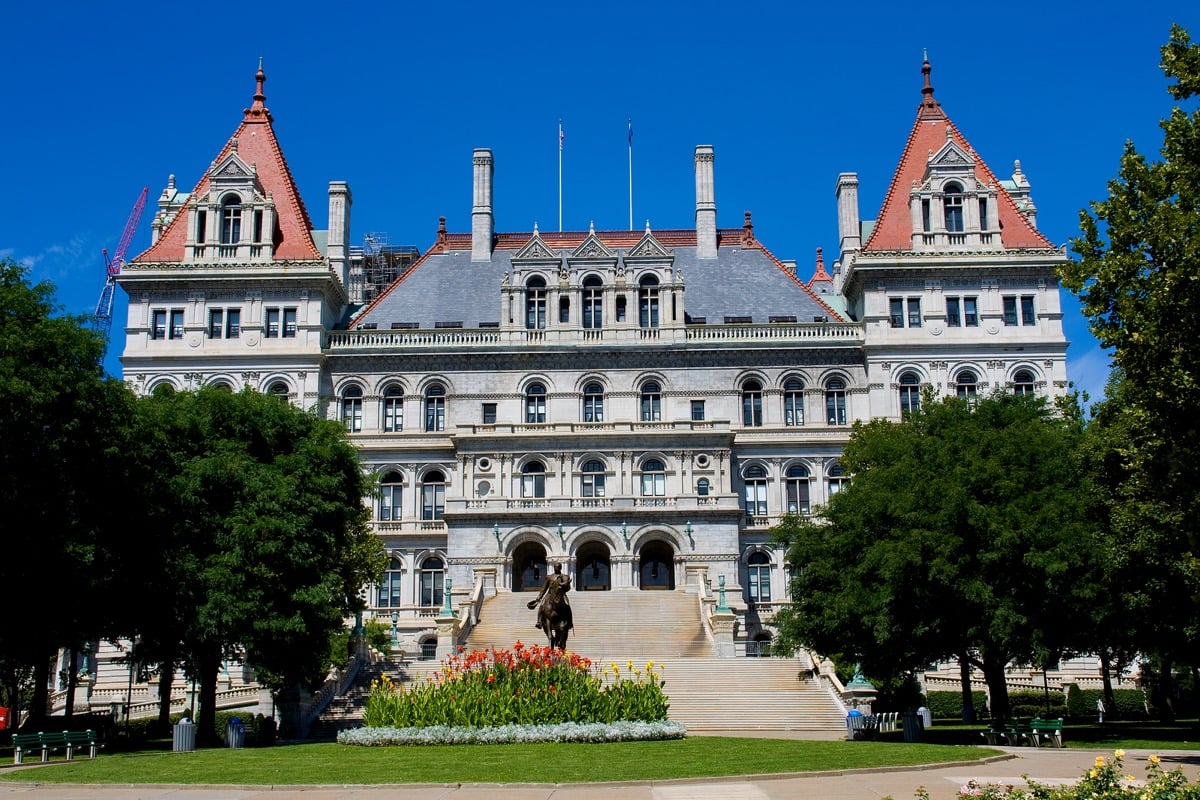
(1020, 732)
(1049, 729)
(69, 742)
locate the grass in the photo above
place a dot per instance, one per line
(1127, 735)
(333, 764)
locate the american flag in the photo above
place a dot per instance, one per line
(631, 133)
(560, 135)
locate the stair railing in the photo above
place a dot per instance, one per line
(338, 681)
(468, 612)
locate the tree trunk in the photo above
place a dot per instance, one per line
(41, 696)
(1165, 699)
(968, 702)
(206, 720)
(1110, 699)
(166, 681)
(997, 683)
(72, 682)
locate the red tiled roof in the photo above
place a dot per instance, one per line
(819, 274)
(894, 228)
(257, 146)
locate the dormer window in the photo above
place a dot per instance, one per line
(231, 219)
(952, 202)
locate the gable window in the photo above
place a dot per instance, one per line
(952, 201)
(393, 409)
(432, 580)
(793, 402)
(651, 402)
(433, 495)
(535, 304)
(593, 302)
(593, 403)
(759, 568)
(648, 302)
(1023, 383)
(435, 408)
(535, 404)
(910, 392)
(752, 404)
(983, 214)
(756, 492)
(391, 495)
(835, 401)
(591, 482)
(231, 220)
(389, 587)
(654, 478)
(925, 218)
(176, 331)
(967, 386)
(796, 489)
(1010, 310)
(533, 479)
(1027, 315)
(352, 408)
(201, 226)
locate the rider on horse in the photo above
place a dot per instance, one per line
(554, 610)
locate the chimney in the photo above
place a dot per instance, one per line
(849, 229)
(481, 211)
(339, 231)
(706, 204)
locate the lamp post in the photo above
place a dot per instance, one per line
(446, 610)
(722, 606)
(395, 624)
(496, 533)
(687, 528)
(562, 537)
(625, 533)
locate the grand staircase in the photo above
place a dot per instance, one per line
(705, 693)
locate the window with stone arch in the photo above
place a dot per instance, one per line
(278, 389)
(535, 303)
(593, 302)
(591, 478)
(755, 480)
(966, 386)
(435, 408)
(1023, 383)
(432, 580)
(796, 489)
(433, 495)
(835, 401)
(391, 497)
(836, 479)
(533, 479)
(952, 202)
(231, 219)
(654, 478)
(752, 404)
(758, 568)
(535, 404)
(651, 402)
(910, 392)
(393, 409)
(390, 595)
(793, 402)
(648, 302)
(593, 402)
(352, 408)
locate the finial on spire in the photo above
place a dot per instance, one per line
(535, 228)
(258, 109)
(929, 108)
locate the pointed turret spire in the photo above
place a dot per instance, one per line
(929, 108)
(258, 109)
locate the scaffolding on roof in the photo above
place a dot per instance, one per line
(383, 263)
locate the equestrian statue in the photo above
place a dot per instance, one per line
(553, 608)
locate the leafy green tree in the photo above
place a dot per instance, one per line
(961, 535)
(63, 470)
(262, 535)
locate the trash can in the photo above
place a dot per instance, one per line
(926, 717)
(912, 726)
(235, 733)
(3, 718)
(183, 737)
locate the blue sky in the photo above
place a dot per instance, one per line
(105, 99)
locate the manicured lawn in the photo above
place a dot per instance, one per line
(1126, 735)
(545, 763)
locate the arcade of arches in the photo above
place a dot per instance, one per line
(592, 567)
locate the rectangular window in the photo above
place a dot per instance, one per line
(289, 323)
(159, 324)
(1027, 315)
(489, 413)
(925, 215)
(215, 323)
(233, 323)
(896, 311)
(914, 312)
(953, 318)
(1010, 310)
(272, 323)
(176, 331)
(983, 220)
(201, 226)
(258, 226)
(697, 410)
(971, 312)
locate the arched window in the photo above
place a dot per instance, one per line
(793, 402)
(593, 403)
(1023, 382)
(910, 392)
(389, 587)
(352, 408)
(654, 478)
(591, 481)
(535, 304)
(231, 219)
(796, 486)
(432, 578)
(836, 479)
(593, 302)
(433, 495)
(835, 401)
(752, 404)
(702, 487)
(533, 479)
(967, 386)
(278, 389)
(651, 405)
(428, 648)
(759, 584)
(435, 408)
(391, 497)
(648, 302)
(755, 479)
(535, 404)
(952, 202)
(393, 409)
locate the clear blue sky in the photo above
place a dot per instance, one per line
(103, 99)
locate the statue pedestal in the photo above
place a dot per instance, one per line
(723, 624)
(448, 628)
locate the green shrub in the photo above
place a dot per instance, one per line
(1032, 703)
(948, 705)
(1081, 703)
(379, 635)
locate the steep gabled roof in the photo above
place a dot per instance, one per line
(255, 143)
(894, 227)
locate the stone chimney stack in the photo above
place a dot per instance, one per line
(339, 231)
(706, 204)
(849, 227)
(481, 211)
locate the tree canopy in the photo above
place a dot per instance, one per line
(961, 534)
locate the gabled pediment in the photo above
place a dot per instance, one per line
(648, 247)
(535, 251)
(592, 248)
(952, 155)
(232, 172)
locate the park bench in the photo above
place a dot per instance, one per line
(859, 726)
(68, 741)
(1049, 729)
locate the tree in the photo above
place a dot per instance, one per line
(961, 535)
(64, 429)
(262, 532)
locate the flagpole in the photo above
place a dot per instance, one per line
(631, 174)
(560, 149)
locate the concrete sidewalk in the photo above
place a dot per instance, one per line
(1043, 765)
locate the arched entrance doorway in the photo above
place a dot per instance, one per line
(657, 570)
(529, 567)
(592, 568)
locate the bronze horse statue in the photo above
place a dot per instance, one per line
(554, 610)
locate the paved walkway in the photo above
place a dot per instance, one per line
(1045, 765)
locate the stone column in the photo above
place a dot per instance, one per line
(706, 203)
(481, 211)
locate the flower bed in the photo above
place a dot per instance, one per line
(592, 732)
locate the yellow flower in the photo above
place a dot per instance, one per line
(1119, 753)
(1092, 774)
(1130, 778)
(1154, 760)
(629, 665)
(649, 665)
(616, 670)
(1099, 761)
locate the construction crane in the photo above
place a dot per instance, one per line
(102, 322)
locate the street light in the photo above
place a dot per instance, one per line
(395, 623)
